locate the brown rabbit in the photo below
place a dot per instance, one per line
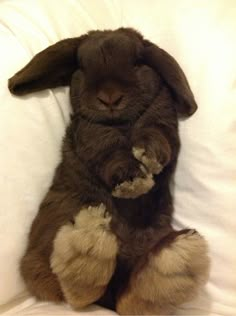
(103, 232)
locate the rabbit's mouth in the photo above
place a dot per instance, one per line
(128, 111)
(114, 116)
(112, 112)
(115, 113)
(114, 108)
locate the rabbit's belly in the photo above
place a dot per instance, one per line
(135, 243)
(135, 246)
(139, 224)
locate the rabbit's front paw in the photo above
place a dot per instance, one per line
(152, 149)
(134, 187)
(148, 159)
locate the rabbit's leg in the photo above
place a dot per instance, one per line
(84, 256)
(170, 276)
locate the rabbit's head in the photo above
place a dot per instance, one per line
(113, 75)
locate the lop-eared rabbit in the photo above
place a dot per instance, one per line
(103, 232)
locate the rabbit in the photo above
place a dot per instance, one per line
(103, 233)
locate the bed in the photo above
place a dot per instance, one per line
(201, 36)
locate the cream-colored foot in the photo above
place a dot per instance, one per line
(84, 256)
(170, 277)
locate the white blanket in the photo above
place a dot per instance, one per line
(201, 36)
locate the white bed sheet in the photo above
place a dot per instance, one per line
(24, 305)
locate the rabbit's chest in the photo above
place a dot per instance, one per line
(96, 141)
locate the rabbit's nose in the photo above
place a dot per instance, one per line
(109, 98)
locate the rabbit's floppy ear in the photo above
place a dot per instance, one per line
(50, 68)
(170, 71)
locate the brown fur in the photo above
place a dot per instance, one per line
(120, 150)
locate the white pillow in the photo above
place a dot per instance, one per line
(200, 35)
